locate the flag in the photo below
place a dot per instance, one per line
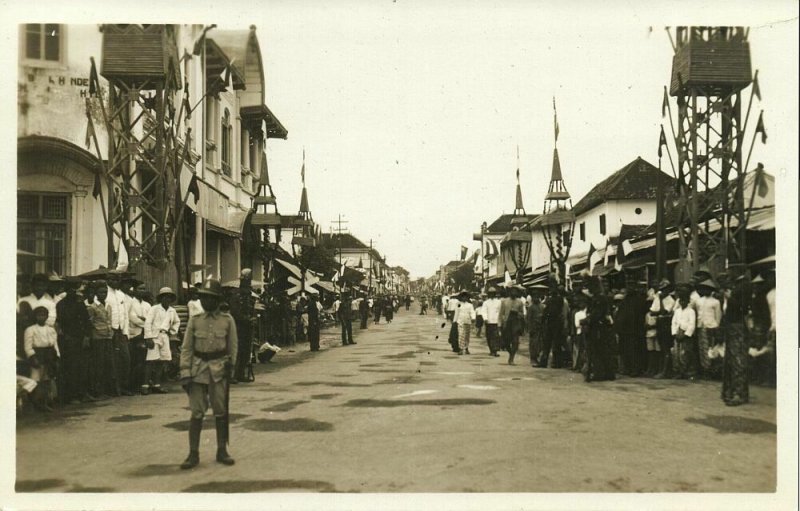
(94, 82)
(756, 88)
(664, 103)
(589, 257)
(96, 188)
(760, 181)
(194, 188)
(89, 131)
(555, 118)
(760, 128)
(187, 106)
(662, 141)
(517, 163)
(303, 168)
(463, 252)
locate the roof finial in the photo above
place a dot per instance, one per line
(555, 120)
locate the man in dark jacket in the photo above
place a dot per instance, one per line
(75, 330)
(344, 314)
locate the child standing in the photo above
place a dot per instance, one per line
(41, 348)
(162, 323)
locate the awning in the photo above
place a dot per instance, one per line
(289, 266)
(326, 286)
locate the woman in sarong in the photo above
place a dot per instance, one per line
(735, 389)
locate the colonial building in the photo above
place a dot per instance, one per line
(58, 215)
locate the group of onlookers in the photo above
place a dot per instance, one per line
(87, 340)
(719, 327)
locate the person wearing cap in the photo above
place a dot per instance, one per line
(464, 316)
(208, 353)
(138, 309)
(709, 315)
(40, 298)
(75, 331)
(162, 322)
(491, 317)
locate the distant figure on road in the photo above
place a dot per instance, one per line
(313, 323)
(408, 302)
(363, 311)
(377, 309)
(464, 316)
(345, 318)
(389, 308)
(491, 315)
(423, 306)
(512, 323)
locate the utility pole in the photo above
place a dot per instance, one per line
(339, 230)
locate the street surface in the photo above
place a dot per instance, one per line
(399, 412)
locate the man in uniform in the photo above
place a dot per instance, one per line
(243, 310)
(207, 355)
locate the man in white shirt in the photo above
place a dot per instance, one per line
(463, 317)
(709, 315)
(162, 323)
(117, 302)
(193, 306)
(684, 322)
(40, 298)
(662, 309)
(452, 305)
(137, 315)
(491, 317)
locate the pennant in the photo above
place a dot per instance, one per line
(94, 81)
(760, 128)
(664, 103)
(555, 118)
(627, 248)
(187, 106)
(756, 88)
(517, 163)
(96, 188)
(760, 181)
(662, 141)
(194, 188)
(89, 132)
(463, 252)
(589, 257)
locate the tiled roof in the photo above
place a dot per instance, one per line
(636, 180)
(503, 223)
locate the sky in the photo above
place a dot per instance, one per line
(410, 113)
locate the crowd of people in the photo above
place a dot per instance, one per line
(709, 328)
(94, 338)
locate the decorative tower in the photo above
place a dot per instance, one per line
(710, 69)
(557, 220)
(517, 243)
(304, 234)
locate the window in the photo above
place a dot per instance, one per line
(583, 231)
(638, 211)
(42, 228)
(43, 42)
(244, 152)
(603, 223)
(225, 142)
(567, 237)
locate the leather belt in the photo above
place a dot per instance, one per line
(213, 355)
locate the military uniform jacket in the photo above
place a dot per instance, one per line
(209, 332)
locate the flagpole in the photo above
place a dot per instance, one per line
(660, 234)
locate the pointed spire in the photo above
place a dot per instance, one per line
(555, 175)
(519, 209)
(304, 201)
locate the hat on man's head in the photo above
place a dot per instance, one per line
(166, 291)
(708, 283)
(664, 284)
(40, 277)
(211, 287)
(759, 279)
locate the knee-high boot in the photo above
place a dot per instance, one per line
(195, 427)
(222, 441)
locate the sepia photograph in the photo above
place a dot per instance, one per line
(402, 255)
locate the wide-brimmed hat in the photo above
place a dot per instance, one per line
(211, 287)
(708, 283)
(492, 290)
(759, 279)
(165, 291)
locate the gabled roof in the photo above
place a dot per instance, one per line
(630, 231)
(343, 240)
(636, 180)
(503, 223)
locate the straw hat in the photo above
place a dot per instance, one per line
(708, 283)
(211, 287)
(166, 291)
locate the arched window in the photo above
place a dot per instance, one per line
(225, 143)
